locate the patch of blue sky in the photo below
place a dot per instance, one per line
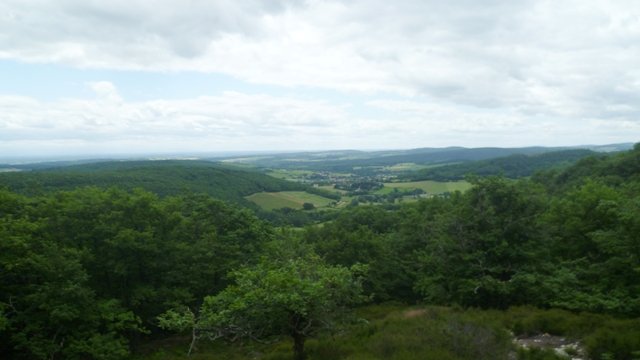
(50, 82)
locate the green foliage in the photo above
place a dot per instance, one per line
(483, 248)
(361, 236)
(597, 224)
(163, 178)
(82, 271)
(49, 310)
(368, 162)
(603, 336)
(427, 186)
(85, 273)
(513, 166)
(614, 342)
(438, 334)
(393, 332)
(291, 199)
(290, 292)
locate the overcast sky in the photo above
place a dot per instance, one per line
(136, 76)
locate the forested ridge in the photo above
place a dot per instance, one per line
(162, 177)
(97, 273)
(368, 161)
(513, 166)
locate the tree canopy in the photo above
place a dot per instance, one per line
(291, 292)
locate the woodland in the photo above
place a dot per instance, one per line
(150, 266)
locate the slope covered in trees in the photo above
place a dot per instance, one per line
(543, 242)
(170, 177)
(87, 273)
(84, 273)
(361, 161)
(513, 166)
(364, 162)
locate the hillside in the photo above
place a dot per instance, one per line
(164, 178)
(111, 270)
(513, 166)
(367, 161)
(619, 169)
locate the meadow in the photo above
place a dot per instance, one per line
(291, 199)
(289, 174)
(429, 186)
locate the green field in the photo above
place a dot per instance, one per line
(430, 187)
(291, 175)
(403, 167)
(331, 188)
(291, 199)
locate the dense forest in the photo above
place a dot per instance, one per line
(100, 272)
(513, 166)
(166, 177)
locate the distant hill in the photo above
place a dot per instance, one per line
(364, 161)
(161, 177)
(617, 169)
(513, 166)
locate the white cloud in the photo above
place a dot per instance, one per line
(367, 44)
(228, 121)
(518, 67)
(105, 90)
(237, 121)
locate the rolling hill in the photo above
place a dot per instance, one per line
(513, 166)
(367, 161)
(167, 177)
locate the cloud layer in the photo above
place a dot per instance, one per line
(463, 66)
(237, 121)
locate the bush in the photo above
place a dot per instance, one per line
(614, 343)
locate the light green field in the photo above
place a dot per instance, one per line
(291, 175)
(330, 188)
(429, 186)
(291, 199)
(405, 167)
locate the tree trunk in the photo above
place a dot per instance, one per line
(194, 337)
(298, 346)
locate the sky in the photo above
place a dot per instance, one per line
(90, 77)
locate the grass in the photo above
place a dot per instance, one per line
(291, 199)
(331, 188)
(383, 332)
(404, 167)
(394, 331)
(429, 186)
(291, 175)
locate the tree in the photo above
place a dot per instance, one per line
(47, 309)
(291, 292)
(478, 253)
(308, 206)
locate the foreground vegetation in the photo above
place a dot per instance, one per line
(95, 273)
(443, 333)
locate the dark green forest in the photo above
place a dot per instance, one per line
(513, 166)
(106, 271)
(166, 177)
